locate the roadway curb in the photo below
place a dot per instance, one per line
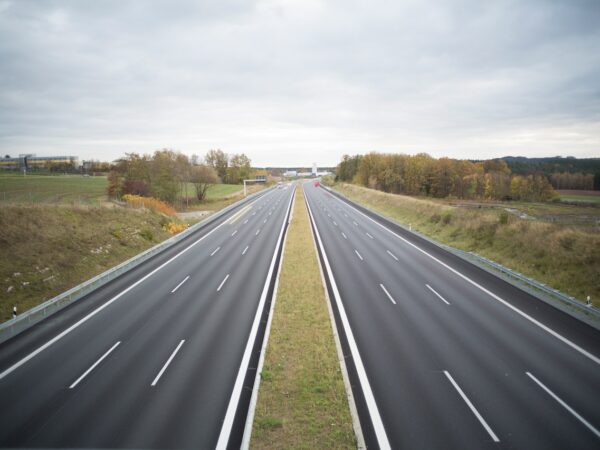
(360, 439)
(567, 304)
(40, 312)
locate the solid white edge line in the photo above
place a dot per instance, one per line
(360, 439)
(477, 285)
(246, 438)
(180, 284)
(109, 302)
(239, 381)
(392, 255)
(378, 427)
(434, 291)
(387, 293)
(93, 366)
(564, 405)
(358, 254)
(472, 407)
(223, 282)
(215, 251)
(245, 250)
(167, 363)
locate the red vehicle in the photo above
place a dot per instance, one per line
(317, 183)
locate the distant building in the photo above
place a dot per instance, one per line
(33, 162)
(290, 173)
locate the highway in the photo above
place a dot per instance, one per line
(443, 355)
(163, 356)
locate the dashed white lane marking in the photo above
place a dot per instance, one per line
(472, 407)
(257, 231)
(215, 251)
(245, 250)
(441, 298)
(245, 221)
(355, 224)
(167, 363)
(222, 283)
(564, 405)
(179, 285)
(93, 366)
(387, 293)
(234, 233)
(358, 254)
(335, 223)
(392, 255)
(345, 237)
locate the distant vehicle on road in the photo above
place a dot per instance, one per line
(317, 183)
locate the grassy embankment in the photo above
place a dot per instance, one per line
(302, 401)
(550, 246)
(580, 196)
(57, 231)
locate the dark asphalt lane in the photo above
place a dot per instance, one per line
(455, 375)
(116, 404)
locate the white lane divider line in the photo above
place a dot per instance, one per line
(355, 224)
(534, 321)
(434, 291)
(370, 236)
(223, 282)
(472, 407)
(265, 221)
(345, 237)
(358, 254)
(335, 223)
(564, 405)
(245, 221)
(167, 363)
(215, 251)
(373, 410)
(93, 366)
(328, 215)
(179, 285)
(245, 250)
(392, 255)
(257, 231)
(387, 293)
(234, 233)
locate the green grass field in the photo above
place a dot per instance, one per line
(52, 189)
(581, 198)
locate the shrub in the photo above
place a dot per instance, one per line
(155, 205)
(503, 218)
(147, 234)
(174, 227)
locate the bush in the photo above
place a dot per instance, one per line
(155, 205)
(503, 218)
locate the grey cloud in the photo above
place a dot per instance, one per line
(291, 82)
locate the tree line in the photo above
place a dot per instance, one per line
(422, 174)
(166, 174)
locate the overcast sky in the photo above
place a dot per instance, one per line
(292, 82)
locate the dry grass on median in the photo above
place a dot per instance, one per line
(302, 401)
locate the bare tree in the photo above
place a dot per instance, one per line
(203, 177)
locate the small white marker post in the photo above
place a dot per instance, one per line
(589, 301)
(15, 311)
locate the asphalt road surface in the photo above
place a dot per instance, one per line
(159, 358)
(443, 355)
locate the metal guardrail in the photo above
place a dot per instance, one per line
(492, 266)
(38, 313)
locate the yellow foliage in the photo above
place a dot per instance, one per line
(160, 207)
(174, 228)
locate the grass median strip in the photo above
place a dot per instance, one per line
(302, 401)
